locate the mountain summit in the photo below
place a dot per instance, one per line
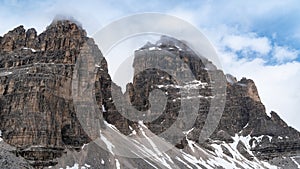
(41, 128)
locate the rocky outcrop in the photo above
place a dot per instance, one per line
(243, 150)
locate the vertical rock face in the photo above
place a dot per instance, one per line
(37, 112)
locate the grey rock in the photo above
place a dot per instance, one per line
(243, 150)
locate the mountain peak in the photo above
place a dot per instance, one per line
(62, 33)
(62, 19)
(66, 25)
(13, 39)
(17, 29)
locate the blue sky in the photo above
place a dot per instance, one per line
(255, 39)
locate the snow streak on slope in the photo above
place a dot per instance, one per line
(149, 148)
(237, 160)
(1, 135)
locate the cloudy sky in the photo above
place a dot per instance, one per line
(254, 39)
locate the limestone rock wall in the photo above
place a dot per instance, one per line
(37, 110)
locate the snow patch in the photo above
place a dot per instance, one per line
(179, 159)
(118, 164)
(153, 152)
(259, 139)
(141, 123)
(109, 145)
(193, 160)
(32, 50)
(195, 84)
(86, 165)
(293, 159)
(179, 48)
(246, 126)
(5, 73)
(241, 84)
(148, 139)
(237, 159)
(133, 132)
(103, 108)
(111, 126)
(270, 138)
(76, 166)
(83, 146)
(187, 132)
(191, 144)
(154, 48)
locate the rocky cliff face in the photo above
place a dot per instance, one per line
(38, 119)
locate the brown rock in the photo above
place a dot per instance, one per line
(37, 108)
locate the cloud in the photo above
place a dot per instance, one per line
(93, 14)
(248, 42)
(283, 54)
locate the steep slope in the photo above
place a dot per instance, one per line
(39, 108)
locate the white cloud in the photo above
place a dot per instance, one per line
(283, 54)
(248, 42)
(93, 14)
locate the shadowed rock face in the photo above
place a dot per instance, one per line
(37, 109)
